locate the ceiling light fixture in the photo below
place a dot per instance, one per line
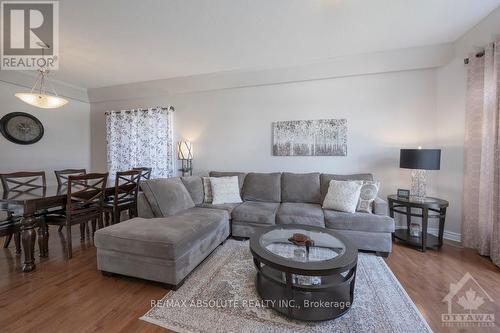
(39, 96)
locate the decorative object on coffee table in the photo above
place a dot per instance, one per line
(323, 137)
(185, 155)
(419, 160)
(291, 280)
(437, 208)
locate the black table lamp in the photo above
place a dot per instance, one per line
(419, 160)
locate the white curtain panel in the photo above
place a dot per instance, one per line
(140, 138)
(481, 208)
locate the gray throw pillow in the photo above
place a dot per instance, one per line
(167, 196)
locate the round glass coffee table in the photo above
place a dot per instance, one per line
(311, 280)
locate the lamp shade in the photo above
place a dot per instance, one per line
(42, 100)
(184, 150)
(424, 159)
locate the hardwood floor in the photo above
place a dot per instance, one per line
(72, 296)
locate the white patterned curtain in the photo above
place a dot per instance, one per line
(481, 209)
(140, 138)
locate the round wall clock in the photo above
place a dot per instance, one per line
(21, 128)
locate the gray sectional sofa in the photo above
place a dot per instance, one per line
(177, 230)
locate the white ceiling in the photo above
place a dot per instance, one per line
(105, 43)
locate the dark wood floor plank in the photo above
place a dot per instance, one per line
(72, 296)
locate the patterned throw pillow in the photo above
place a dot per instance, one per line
(225, 190)
(207, 188)
(343, 195)
(369, 192)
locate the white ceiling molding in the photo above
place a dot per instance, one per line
(363, 64)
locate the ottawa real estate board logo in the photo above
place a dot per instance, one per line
(468, 305)
(30, 35)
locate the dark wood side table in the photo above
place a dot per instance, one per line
(430, 208)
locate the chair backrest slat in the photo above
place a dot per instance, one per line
(86, 191)
(62, 175)
(127, 186)
(145, 172)
(23, 181)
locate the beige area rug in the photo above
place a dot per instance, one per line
(220, 296)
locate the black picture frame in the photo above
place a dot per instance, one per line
(402, 193)
(3, 128)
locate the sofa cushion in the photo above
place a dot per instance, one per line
(256, 212)
(241, 176)
(194, 185)
(358, 221)
(227, 206)
(300, 187)
(262, 187)
(301, 213)
(325, 179)
(166, 238)
(166, 196)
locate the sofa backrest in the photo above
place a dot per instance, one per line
(262, 187)
(325, 179)
(194, 185)
(300, 187)
(241, 176)
(167, 196)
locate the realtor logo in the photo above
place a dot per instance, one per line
(465, 300)
(30, 35)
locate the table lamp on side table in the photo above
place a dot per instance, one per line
(419, 160)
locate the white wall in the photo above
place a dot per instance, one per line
(66, 143)
(231, 128)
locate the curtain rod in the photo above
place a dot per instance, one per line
(170, 108)
(478, 55)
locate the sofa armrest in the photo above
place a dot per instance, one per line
(380, 207)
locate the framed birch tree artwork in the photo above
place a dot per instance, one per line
(324, 137)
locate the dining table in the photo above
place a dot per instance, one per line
(31, 204)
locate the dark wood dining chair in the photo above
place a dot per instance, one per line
(62, 180)
(62, 175)
(10, 226)
(84, 203)
(124, 197)
(145, 172)
(15, 184)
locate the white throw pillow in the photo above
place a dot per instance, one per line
(207, 189)
(225, 190)
(369, 192)
(343, 195)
